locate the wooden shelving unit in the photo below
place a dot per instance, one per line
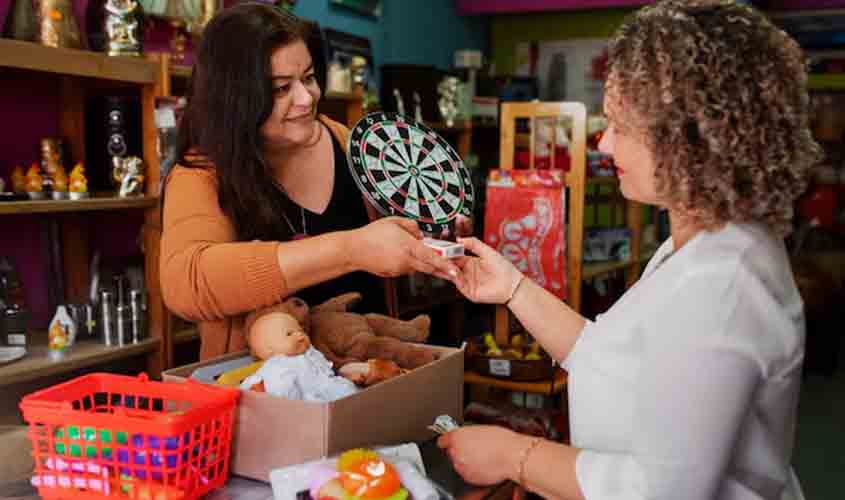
(81, 74)
(83, 354)
(72, 62)
(95, 203)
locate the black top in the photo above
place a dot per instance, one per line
(345, 211)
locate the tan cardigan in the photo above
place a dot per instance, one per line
(207, 276)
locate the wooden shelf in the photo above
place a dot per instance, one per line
(831, 81)
(343, 96)
(83, 354)
(95, 203)
(185, 336)
(180, 71)
(459, 126)
(73, 62)
(541, 387)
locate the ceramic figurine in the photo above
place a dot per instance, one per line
(18, 180)
(78, 186)
(34, 184)
(448, 102)
(129, 173)
(123, 28)
(57, 26)
(60, 185)
(61, 334)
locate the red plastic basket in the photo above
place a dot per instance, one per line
(122, 437)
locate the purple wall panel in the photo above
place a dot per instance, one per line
(522, 6)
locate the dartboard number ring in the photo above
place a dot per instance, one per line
(405, 168)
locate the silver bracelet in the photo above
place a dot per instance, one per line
(513, 292)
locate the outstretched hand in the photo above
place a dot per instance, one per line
(487, 277)
(393, 246)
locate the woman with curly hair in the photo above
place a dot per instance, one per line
(687, 387)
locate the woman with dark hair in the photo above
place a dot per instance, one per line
(687, 387)
(262, 204)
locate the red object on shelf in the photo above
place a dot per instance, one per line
(522, 160)
(820, 205)
(524, 221)
(112, 436)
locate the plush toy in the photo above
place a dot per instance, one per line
(292, 368)
(363, 348)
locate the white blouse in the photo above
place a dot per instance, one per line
(687, 387)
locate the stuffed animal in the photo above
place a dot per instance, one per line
(365, 348)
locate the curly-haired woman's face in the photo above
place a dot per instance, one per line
(634, 161)
(296, 91)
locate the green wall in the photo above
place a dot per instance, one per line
(507, 31)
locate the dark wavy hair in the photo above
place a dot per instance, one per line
(721, 100)
(230, 96)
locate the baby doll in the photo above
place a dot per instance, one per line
(292, 368)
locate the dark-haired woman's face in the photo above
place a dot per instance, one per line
(296, 93)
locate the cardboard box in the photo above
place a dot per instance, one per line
(272, 432)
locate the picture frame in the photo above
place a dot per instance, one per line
(370, 8)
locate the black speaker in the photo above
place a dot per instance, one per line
(112, 129)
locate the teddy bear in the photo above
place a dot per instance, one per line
(364, 348)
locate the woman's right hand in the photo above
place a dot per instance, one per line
(393, 246)
(488, 277)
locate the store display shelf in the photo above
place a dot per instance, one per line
(540, 387)
(83, 354)
(72, 62)
(98, 202)
(180, 71)
(186, 335)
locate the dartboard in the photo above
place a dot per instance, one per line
(405, 168)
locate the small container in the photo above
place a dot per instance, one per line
(138, 314)
(108, 327)
(15, 326)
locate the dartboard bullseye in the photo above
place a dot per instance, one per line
(405, 168)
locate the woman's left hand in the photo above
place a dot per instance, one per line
(482, 454)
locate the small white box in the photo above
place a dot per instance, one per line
(448, 249)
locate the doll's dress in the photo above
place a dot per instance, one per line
(308, 376)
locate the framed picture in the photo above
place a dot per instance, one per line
(370, 8)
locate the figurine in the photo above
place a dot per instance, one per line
(129, 174)
(18, 180)
(51, 155)
(448, 102)
(123, 28)
(400, 104)
(78, 186)
(417, 107)
(57, 26)
(61, 333)
(60, 184)
(34, 184)
(292, 368)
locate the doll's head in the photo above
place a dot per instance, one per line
(276, 333)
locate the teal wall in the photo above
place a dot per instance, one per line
(409, 31)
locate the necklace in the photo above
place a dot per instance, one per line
(304, 233)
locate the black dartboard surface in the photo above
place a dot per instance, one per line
(407, 169)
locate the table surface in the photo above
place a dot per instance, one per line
(438, 468)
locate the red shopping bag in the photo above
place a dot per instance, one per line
(524, 220)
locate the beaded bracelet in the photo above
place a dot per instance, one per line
(513, 292)
(524, 458)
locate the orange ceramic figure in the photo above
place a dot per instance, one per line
(18, 180)
(34, 181)
(78, 182)
(60, 179)
(57, 337)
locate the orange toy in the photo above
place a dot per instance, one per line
(60, 179)
(78, 182)
(34, 181)
(364, 475)
(18, 180)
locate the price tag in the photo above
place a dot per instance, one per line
(500, 367)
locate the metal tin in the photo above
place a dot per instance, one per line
(108, 327)
(138, 314)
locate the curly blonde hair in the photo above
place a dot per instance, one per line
(720, 99)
